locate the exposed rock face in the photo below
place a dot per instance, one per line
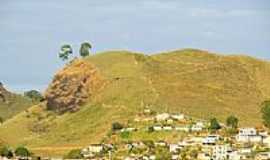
(4, 94)
(73, 86)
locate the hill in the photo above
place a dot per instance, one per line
(12, 104)
(195, 82)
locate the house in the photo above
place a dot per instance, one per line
(92, 150)
(221, 152)
(157, 128)
(174, 148)
(182, 128)
(128, 129)
(169, 121)
(147, 111)
(234, 155)
(262, 156)
(161, 143)
(95, 148)
(167, 128)
(162, 117)
(210, 140)
(246, 135)
(266, 141)
(196, 128)
(203, 156)
(178, 117)
(200, 124)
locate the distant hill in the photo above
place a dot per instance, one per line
(11, 103)
(195, 82)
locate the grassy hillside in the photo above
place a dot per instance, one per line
(195, 82)
(12, 104)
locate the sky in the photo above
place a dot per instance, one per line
(32, 31)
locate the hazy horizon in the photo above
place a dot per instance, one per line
(33, 31)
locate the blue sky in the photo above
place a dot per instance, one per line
(31, 31)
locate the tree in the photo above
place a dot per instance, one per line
(214, 125)
(84, 50)
(117, 126)
(232, 121)
(74, 154)
(6, 152)
(22, 152)
(34, 95)
(266, 113)
(65, 51)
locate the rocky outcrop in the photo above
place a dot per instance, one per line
(4, 94)
(73, 86)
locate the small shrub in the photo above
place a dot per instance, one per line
(125, 135)
(22, 152)
(117, 126)
(6, 152)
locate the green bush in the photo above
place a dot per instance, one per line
(117, 126)
(214, 125)
(6, 152)
(36, 96)
(74, 154)
(266, 113)
(125, 135)
(232, 121)
(22, 152)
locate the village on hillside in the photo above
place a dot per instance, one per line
(200, 140)
(166, 136)
(190, 139)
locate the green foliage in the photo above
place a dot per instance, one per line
(125, 135)
(74, 154)
(151, 129)
(266, 113)
(84, 50)
(6, 152)
(117, 126)
(65, 51)
(36, 96)
(214, 125)
(22, 152)
(231, 131)
(232, 121)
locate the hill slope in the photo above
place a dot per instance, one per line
(195, 82)
(11, 104)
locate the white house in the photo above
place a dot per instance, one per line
(210, 140)
(203, 156)
(174, 148)
(162, 117)
(128, 129)
(196, 128)
(248, 135)
(157, 128)
(182, 128)
(178, 117)
(160, 143)
(262, 156)
(95, 148)
(92, 150)
(221, 152)
(167, 128)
